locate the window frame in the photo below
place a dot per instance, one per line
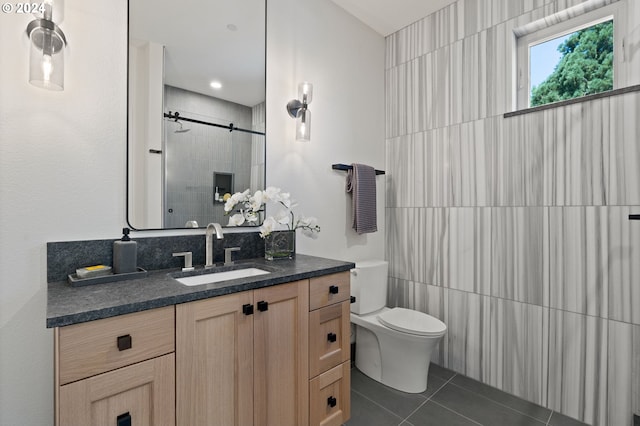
(522, 77)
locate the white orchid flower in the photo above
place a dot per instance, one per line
(283, 217)
(272, 194)
(251, 217)
(236, 220)
(267, 227)
(256, 201)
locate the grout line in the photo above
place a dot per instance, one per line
(506, 406)
(549, 419)
(376, 403)
(431, 396)
(455, 412)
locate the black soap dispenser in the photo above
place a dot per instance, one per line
(125, 254)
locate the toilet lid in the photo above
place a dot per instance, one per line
(413, 322)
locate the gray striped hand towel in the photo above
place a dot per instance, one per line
(361, 183)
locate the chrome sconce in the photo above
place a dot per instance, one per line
(46, 63)
(298, 109)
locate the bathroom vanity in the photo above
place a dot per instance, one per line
(263, 350)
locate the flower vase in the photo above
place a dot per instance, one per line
(280, 245)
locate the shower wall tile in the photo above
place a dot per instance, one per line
(576, 154)
(416, 256)
(433, 166)
(517, 149)
(517, 254)
(624, 373)
(467, 253)
(578, 366)
(624, 265)
(577, 243)
(470, 164)
(624, 174)
(518, 349)
(467, 341)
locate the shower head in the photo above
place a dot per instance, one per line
(180, 129)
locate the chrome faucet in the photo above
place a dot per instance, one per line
(211, 229)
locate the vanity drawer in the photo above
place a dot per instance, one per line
(328, 289)
(329, 333)
(98, 346)
(330, 400)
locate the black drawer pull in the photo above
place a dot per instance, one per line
(124, 342)
(263, 306)
(334, 289)
(353, 299)
(123, 419)
(247, 309)
(332, 401)
(332, 337)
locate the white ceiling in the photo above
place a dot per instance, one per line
(200, 48)
(388, 16)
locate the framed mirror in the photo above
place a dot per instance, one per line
(196, 109)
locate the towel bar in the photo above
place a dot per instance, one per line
(346, 167)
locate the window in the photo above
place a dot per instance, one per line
(572, 58)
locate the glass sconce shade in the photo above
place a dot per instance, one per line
(305, 92)
(303, 126)
(46, 64)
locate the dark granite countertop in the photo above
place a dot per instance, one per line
(68, 305)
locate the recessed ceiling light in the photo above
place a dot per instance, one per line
(232, 27)
(216, 85)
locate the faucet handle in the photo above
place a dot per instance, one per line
(227, 255)
(187, 260)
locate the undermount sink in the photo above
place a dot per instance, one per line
(215, 277)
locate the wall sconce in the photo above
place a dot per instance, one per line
(46, 64)
(299, 109)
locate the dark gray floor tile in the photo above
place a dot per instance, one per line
(558, 419)
(480, 409)
(494, 394)
(400, 403)
(432, 414)
(366, 413)
(443, 373)
(434, 383)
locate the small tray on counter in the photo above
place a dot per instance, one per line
(79, 282)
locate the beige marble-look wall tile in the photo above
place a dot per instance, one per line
(577, 259)
(624, 373)
(518, 335)
(467, 256)
(624, 264)
(578, 366)
(624, 169)
(517, 254)
(467, 341)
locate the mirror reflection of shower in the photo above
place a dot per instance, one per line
(180, 128)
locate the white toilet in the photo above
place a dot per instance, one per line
(393, 345)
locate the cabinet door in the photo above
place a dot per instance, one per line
(281, 359)
(214, 347)
(144, 393)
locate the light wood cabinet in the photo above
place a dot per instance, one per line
(117, 371)
(242, 359)
(329, 350)
(274, 356)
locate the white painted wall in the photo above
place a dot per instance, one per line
(62, 158)
(316, 41)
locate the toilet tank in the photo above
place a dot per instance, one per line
(369, 286)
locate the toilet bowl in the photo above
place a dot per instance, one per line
(393, 345)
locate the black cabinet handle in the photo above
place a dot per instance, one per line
(263, 306)
(123, 419)
(332, 337)
(334, 289)
(332, 401)
(124, 342)
(634, 217)
(247, 309)
(353, 299)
